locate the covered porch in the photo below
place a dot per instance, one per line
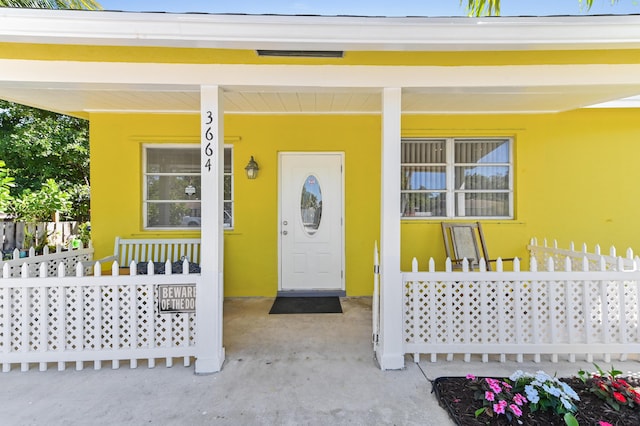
(411, 86)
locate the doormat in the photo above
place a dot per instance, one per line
(306, 305)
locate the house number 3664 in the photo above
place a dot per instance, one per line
(208, 135)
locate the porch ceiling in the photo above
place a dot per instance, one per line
(86, 99)
(81, 87)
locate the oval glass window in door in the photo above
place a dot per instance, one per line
(311, 205)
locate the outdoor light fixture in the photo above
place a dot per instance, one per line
(252, 169)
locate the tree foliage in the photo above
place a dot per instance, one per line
(38, 145)
(41, 205)
(492, 7)
(6, 183)
(52, 4)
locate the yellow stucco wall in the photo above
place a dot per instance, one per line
(173, 55)
(251, 257)
(576, 179)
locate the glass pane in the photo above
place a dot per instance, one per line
(482, 151)
(228, 215)
(423, 204)
(160, 215)
(173, 188)
(227, 160)
(421, 152)
(423, 177)
(173, 160)
(484, 204)
(482, 177)
(311, 205)
(227, 188)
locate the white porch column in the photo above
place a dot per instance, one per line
(390, 349)
(210, 289)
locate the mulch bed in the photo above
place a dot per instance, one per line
(456, 397)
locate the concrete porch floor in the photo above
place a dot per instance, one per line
(279, 370)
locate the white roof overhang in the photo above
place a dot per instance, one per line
(137, 87)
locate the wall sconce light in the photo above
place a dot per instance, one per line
(252, 169)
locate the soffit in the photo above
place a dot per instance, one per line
(460, 100)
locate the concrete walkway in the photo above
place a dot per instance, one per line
(280, 370)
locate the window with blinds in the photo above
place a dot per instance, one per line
(172, 190)
(449, 178)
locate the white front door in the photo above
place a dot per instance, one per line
(311, 218)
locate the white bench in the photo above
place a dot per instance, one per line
(155, 250)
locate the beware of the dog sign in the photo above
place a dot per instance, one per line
(174, 298)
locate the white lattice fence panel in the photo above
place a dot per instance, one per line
(69, 258)
(594, 311)
(575, 305)
(55, 323)
(523, 313)
(18, 310)
(92, 318)
(37, 330)
(126, 314)
(146, 321)
(557, 312)
(74, 317)
(181, 330)
(613, 311)
(41, 322)
(632, 310)
(454, 313)
(489, 313)
(410, 313)
(473, 323)
(5, 319)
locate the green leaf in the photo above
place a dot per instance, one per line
(570, 420)
(52, 4)
(599, 369)
(614, 373)
(479, 411)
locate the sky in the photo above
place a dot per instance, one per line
(370, 7)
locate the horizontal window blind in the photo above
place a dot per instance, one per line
(455, 177)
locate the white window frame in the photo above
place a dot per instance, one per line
(450, 189)
(145, 173)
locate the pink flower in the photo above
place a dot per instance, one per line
(489, 396)
(603, 423)
(506, 385)
(494, 385)
(471, 377)
(515, 410)
(500, 407)
(519, 399)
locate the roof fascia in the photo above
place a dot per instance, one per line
(318, 32)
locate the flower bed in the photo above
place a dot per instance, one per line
(543, 401)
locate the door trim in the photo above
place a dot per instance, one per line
(308, 293)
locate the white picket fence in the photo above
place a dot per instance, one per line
(69, 257)
(92, 319)
(558, 310)
(611, 261)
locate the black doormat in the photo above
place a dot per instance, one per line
(306, 305)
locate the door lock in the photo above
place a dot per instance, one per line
(284, 232)
(285, 223)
